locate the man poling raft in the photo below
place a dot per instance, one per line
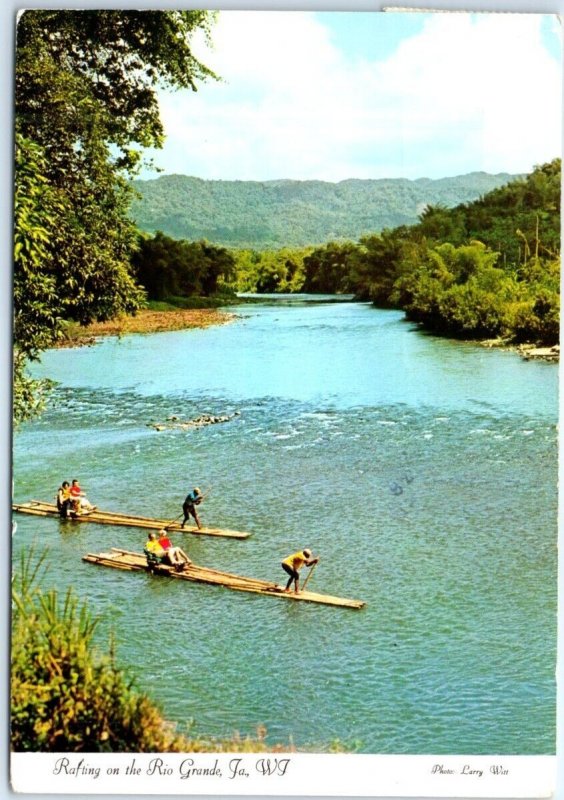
(293, 564)
(118, 558)
(41, 509)
(193, 499)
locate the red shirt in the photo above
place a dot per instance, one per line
(165, 542)
(76, 491)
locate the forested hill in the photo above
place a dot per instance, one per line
(285, 213)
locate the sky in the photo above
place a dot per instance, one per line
(330, 96)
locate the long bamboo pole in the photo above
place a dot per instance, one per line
(310, 573)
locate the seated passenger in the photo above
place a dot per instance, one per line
(154, 552)
(64, 500)
(175, 555)
(79, 500)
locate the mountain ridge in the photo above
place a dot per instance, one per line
(295, 213)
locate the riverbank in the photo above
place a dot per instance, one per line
(529, 352)
(145, 321)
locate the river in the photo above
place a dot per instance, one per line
(422, 471)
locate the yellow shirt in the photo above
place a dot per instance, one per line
(154, 547)
(296, 561)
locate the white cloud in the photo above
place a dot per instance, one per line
(468, 92)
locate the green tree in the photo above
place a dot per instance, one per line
(487, 268)
(172, 268)
(269, 270)
(37, 208)
(443, 224)
(461, 291)
(327, 268)
(520, 220)
(86, 106)
(376, 264)
(218, 267)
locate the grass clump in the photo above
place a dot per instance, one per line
(65, 696)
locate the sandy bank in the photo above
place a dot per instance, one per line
(146, 321)
(529, 352)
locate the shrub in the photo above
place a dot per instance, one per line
(65, 695)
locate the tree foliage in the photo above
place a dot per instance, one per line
(85, 106)
(375, 263)
(96, 73)
(520, 220)
(326, 269)
(269, 271)
(169, 268)
(489, 268)
(269, 215)
(483, 269)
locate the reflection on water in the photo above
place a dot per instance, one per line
(423, 471)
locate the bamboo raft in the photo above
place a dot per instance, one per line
(41, 509)
(137, 562)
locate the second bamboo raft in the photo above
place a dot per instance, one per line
(135, 562)
(41, 509)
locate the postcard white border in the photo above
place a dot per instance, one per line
(308, 775)
(253, 774)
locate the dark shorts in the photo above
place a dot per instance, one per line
(64, 508)
(293, 573)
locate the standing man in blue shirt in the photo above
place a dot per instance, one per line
(193, 499)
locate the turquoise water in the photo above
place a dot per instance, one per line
(422, 470)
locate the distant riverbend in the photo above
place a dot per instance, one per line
(153, 321)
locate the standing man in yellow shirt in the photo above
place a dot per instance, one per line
(293, 564)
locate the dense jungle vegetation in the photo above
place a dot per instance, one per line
(176, 270)
(86, 107)
(484, 269)
(489, 268)
(269, 215)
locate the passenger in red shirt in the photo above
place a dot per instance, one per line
(78, 499)
(175, 555)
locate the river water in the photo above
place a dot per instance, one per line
(422, 471)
